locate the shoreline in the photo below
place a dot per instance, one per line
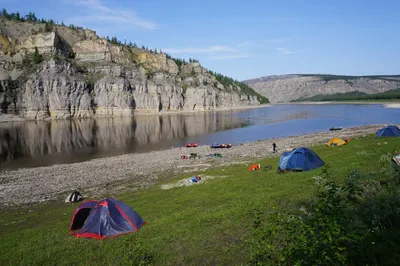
(5, 118)
(392, 105)
(130, 172)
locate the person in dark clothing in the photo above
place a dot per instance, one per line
(274, 147)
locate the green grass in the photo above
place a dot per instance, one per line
(388, 96)
(197, 225)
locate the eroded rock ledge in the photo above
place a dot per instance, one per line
(82, 75)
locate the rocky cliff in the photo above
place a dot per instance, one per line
(60, 72)
(286, 88)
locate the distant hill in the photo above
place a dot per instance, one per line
(286, 88)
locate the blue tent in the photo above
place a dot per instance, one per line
(105, 218)
(389, 131)
(300, 159)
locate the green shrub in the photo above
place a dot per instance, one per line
(355, 223)
(31, 60)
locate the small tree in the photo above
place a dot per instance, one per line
(37, 58)
(71, 54)
(48, 27)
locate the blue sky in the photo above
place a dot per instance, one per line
(246, 39)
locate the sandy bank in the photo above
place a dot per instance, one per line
(133, 171)
(392, 105)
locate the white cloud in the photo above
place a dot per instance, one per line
(244, 44)
(227, 57)
(100, 12)
(284, 51)
(93, 4)
(261, 43)
(211, 49)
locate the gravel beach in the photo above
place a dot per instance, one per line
(133, 171)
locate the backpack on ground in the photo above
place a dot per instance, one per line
(74, 197)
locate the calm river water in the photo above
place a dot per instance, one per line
(32, 144)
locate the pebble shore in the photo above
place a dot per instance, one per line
(114, 175)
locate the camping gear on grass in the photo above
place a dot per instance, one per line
(335, 128)
(106, 218)
(336, 142)
(193, 156)
(389, 131)
(300, 159)
(219, 155)
(195, 179)
(75, 196)
(219, 146)
(254, 167)
(190, 156)
(396, 159)
(192, 145)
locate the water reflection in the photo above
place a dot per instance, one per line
(121, 135)
(31, 144)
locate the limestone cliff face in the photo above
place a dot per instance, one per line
(286, 88)
(79, 74)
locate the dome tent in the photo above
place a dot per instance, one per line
(300, 159)
(336, 142)
(389, 131)
(105, 218)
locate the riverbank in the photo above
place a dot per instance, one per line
(220, 220)
(392, 105)
(136, 171)
(15, 118)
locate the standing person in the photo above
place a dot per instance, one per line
(274, 147)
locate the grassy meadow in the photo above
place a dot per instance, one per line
(202, 224)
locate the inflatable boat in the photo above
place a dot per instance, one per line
(192, 145)
(218, 146)
(335, 128)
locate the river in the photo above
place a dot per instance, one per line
(42, 143)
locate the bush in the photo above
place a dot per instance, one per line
(48, 27)
(355, 223)
(30, 60)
